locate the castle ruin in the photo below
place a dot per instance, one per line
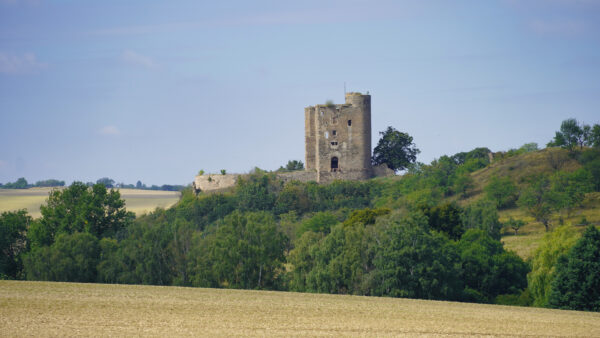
(337, 146)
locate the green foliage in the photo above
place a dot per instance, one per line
(71, 258)
(553, 245)
(50, 183)
(501, 190)
(200, 172)
(365, 216)
(446, 218)
(577, 282)
(257, 192)
(591, 162)
(569, 189)
(483, 215)
(538, 199)
(292, 165)
(13, 225)
(223, 171)
(573, 134)
(514, 224)
(107, 182)
(414, 263)
(21, 183)
(487, 269)
(320, 222)
(396, 149)
(80, 208)
(245, 251)
(463, 183)
(293, 197)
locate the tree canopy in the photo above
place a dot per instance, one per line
(396, 149)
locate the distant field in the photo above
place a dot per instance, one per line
(138, 201)
(69, 309)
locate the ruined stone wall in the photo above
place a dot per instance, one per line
(214, 182)
(302, 176)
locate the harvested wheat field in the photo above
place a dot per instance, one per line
(70, 309)
(138, 201)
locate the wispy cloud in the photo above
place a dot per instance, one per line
(11, 63)
(137, 59)
(109, 130)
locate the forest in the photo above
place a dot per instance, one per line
(432, 233)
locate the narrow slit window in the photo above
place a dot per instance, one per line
(349, 123)
(326, 134)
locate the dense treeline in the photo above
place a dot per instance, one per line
(416, 236)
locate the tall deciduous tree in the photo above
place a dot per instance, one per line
(543, 264)
(396, 149)
(538, 200)
(13, 225)
(577, 282)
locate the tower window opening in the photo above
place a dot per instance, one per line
(334, 143)
(326, 134)
(334, 164)
(349, 123)
(333, 132)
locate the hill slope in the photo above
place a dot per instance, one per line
(69, 309)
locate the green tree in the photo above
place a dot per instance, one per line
(501, 190)
(577, 282)
(107, 182)
(594, 138)
(569, 189)
(569, 136)
(483, 215)
(413, 263)
(538, 199)
(396, 149)
(487, 269)
(319, 222)
(463, 183)
(245, 251)
(80, 208)
(71, 258)
(543, 263)
(446, 218)
(515, 224)
(13, 225)
(292, 165)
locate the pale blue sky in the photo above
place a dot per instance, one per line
(156, 90)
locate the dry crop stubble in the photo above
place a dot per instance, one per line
(59, 309)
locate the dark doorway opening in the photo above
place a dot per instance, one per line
(334, 164)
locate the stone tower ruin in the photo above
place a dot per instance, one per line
(338, 139)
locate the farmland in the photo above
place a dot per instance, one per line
(138, 201)
(69, 309)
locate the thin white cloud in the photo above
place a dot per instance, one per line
(134, 58)
(109, 130)
(11, 63)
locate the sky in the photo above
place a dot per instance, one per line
(157, 90)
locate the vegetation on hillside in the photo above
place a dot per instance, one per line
(433, 233)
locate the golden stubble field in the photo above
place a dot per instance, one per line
(71, 309)
(138, 201)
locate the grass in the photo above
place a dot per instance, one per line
(70, 309)
(138, 201)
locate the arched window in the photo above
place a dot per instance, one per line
(334, 164)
